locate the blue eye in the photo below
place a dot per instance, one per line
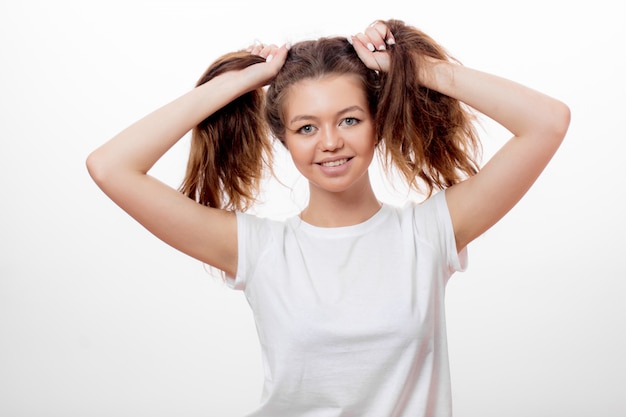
(350, 121)
(306, 130)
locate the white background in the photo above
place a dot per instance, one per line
(99, 318)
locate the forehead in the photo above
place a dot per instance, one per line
(324, 95)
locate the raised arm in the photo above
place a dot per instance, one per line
(538, 124)
(120, 168)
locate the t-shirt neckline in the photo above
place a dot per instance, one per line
(297, 223)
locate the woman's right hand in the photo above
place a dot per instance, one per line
(120, 166)
(263, 73)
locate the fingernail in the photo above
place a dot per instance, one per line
(391, 41)
(381, 47)
(371, 47)
(349, 38)
(269, 58)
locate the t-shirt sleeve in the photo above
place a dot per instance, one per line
(435, 223)
(253, 234)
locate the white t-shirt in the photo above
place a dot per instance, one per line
(351, 319)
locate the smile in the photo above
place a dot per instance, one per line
(334, 163)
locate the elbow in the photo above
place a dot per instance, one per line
(560, 117)
(108, 172)
(91, 163)
(96, 167)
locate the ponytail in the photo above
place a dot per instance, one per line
(428, 136)
(230, 148)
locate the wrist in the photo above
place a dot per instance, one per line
(437, 74)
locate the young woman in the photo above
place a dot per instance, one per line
(348, 297)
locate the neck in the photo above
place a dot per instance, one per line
(337, 209)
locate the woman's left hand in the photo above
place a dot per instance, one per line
(371, 46)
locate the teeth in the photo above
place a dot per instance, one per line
(334, 163)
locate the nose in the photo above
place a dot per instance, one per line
(330, 139)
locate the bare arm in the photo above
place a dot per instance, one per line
(120, 168)
(538, 124)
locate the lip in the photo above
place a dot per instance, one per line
(333, 159)
(336, 169)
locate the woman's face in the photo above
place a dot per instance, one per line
(330, 132)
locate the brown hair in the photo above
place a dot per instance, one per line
(427, 136)
(231, 147)
(314, 60)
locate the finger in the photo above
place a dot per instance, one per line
(264, 72)
(267, 50)
(376, 38)
(255, 48)
(380, 35)
(366, 41)
(278, 55)
(364, 51)
(278, 52)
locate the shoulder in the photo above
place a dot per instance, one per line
(425, 214)
(257, 238)
(256, 226)
(431, 224)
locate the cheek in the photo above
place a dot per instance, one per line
(298, 151)
(369, 143)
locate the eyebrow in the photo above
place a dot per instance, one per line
(339, 113)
